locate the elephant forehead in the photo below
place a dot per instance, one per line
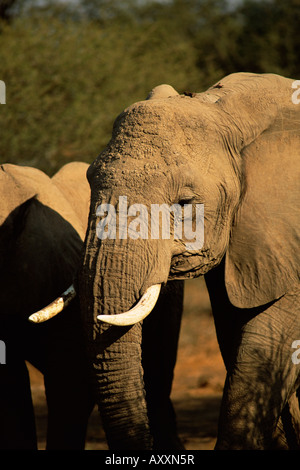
(162, 121)
(144, 133)
(121, 178)
(161, 133)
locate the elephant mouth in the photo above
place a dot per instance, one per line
(187, 265)
(183, 266)
(135, 315)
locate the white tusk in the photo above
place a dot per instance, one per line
(55, 307)
(137, 313)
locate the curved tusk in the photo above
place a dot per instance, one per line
(137, 313)
(55, 307)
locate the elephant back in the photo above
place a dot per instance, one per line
(19, 184)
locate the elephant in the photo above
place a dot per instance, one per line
(225, 165)
(42, 227)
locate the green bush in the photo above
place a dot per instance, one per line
(67, 81)
(70, 70)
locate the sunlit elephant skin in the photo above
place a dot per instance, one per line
(234, 148)
(41, 237)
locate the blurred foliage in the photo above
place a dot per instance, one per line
(6, 7)
(71, 67)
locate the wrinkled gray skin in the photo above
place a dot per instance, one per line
(42, 227)
(234, 148)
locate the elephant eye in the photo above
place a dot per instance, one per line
(184, 201)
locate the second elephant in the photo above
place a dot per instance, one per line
(42, 226)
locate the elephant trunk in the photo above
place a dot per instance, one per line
(111, 281)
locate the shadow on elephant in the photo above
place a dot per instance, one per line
(39, 254)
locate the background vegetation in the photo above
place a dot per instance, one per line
(71, 67)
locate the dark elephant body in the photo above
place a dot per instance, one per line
(40, 246)
(234, 149)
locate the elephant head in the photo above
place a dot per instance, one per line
(218, 150)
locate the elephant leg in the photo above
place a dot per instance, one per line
(17, 422)
(287, 434)
(262, 377)
(159, 351)
(229, 323)
(227, 318)
(69, 407)
(67, 388)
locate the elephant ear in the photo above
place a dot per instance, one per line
(263, 258)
